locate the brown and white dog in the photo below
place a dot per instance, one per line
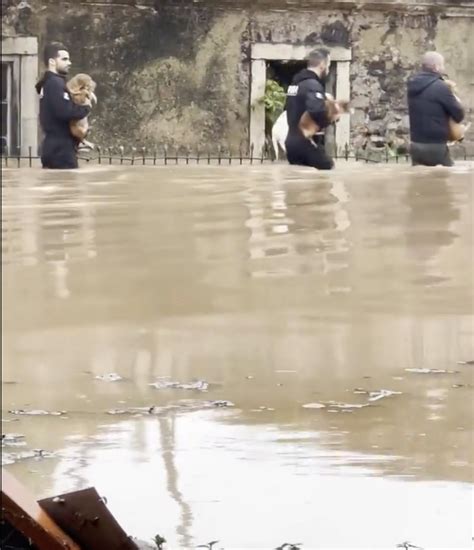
(334, 110)
(457, 130)
(81, 88)
(307, 125)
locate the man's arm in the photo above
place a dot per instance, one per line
(61, 103)
(316, 107)
(450, 103)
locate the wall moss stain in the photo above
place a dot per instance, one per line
(178, 73)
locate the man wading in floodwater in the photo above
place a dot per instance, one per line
(431, 104)
(308, 93)
(59, 147)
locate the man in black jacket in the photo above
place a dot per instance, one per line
(307, 93)
(59, 147)
(431, 104)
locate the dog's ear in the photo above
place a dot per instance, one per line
(344, 106)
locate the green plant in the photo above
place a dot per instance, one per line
(274, 100)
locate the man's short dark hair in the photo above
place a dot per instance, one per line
(51, 51)
(316, 57)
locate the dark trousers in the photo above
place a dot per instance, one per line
(430, 154)
(303, 152)
(59, 153)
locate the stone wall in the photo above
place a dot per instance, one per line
(178, 72)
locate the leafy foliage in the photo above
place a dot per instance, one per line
(274, 100)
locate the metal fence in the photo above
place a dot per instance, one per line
(141, 156)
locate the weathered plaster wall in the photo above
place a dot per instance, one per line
(386, 48)
(178, 72)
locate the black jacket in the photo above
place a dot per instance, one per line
(306, 93)
(431, 104)
(56, 106)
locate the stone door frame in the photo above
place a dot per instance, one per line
(261, 52)
(22, 53)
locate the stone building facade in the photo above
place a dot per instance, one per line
(190, 74)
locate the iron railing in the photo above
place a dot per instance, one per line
(141, 156)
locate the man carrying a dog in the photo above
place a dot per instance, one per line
(431, 104)
(307, 93)
(59, 147)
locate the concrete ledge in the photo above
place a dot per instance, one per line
(20, 45)
(269, 51)
(449, 8)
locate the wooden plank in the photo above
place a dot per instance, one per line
(86, 518)
(22, 511)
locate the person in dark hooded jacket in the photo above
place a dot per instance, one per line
(308, 93)
(431, 104)
(59, 147)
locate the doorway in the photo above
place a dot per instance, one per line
(281, 62)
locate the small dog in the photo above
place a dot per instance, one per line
(457, 130)
(307, 125)
(81, 88)
(334, 111)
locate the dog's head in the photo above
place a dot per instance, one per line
(83, 84)
(335, 109)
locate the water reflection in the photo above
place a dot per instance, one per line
(282, 287)
(168, 444)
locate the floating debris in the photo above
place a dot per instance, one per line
(181, 406)
(110, 377)
(408, 545)
(36, 454)
(209, 545)
(361, 391)
(13, 440)
(380, 394)
(432, 371)
(471, 362)
(198, 385)
(289, 546)
(34, 412)
(346, 406)
(41, 453)
(250, 377)
(222, 404)
(314, 406)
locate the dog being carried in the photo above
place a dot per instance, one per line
(457, 130)
(334, 110)
(81, 89)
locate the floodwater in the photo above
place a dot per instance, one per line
(281, 287)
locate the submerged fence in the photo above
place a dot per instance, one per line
(141, 156)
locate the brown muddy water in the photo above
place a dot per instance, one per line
(279, 286)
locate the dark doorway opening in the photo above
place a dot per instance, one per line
(284, 71)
